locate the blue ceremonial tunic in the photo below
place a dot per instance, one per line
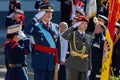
(42, 62)
(15, 54)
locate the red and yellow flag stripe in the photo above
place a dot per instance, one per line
(107, 53)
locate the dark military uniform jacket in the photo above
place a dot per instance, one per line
(116, 58)
(97, 45)
(15, 56)
(75, 39)
(42, 60)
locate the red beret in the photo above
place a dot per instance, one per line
(82, 18)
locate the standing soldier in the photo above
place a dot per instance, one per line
(64, 50)
(14, 4)
(15, 14)
(97, 50)
(15, 53)
(79, 61)
(46, 43)
(17, 17)
(116, 51)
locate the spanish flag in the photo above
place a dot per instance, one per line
(108, 45)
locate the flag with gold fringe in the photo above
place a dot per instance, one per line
(108, 45)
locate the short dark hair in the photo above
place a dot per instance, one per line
(10, 36)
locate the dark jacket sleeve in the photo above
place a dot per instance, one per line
(29, 27)
(37, 4)
(68, 34)
(88, 40)
(8, 22)
(90, 60)
(24, 49)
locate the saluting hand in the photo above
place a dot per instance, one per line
(76, 24)
(39, 15)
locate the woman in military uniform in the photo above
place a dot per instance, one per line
(78, 63)
(15, 50)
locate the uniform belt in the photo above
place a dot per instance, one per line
(81, 55)
(47, 50)
(17, 65)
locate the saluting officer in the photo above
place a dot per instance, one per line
(15, 53)
(46, 43)
(79, 61)
(97, 45)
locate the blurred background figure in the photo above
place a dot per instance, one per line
(91, 25)
(76, 5)
(65, 10)
(97, 45)
(104, 7)
(38, 3)
(17, 17)
(116, 51)
(14, 4)
(64, 49)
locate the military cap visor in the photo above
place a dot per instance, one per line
(102, 24)
(47, 7)
(82, 18)
(102, 17)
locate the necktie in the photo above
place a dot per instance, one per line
(47, 24)
(82, 35)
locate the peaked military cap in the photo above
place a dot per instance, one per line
(82, 18)
(47, 7)
(103, 18)
(81, 12)
(14, 28)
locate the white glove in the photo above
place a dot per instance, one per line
(95, 20)
(39, 15)
(21, 35)
(88, 73)
(11, 15)
(76, 24)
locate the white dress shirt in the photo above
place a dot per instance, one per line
(64, 48)
(81, 33)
